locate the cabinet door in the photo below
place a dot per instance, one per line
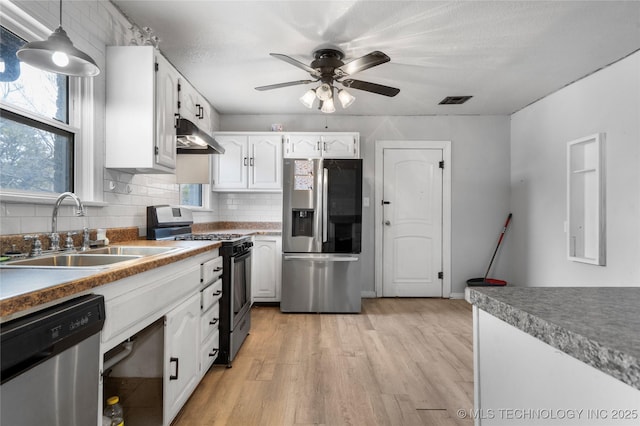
(303, 146)
(166, 108)
(230, 169)
(194, 107)
(265, 162)
(267, 267)
(181, 355)
(339, 146)
(188, 101)
(205, 117)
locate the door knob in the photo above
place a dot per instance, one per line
(387, 222)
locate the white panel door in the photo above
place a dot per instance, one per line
(412, 217)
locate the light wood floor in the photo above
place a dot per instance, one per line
(399, 362)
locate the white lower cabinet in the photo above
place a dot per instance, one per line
(168, 319)
(266, 270)
(181, 360)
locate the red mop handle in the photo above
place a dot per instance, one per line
(498, 246)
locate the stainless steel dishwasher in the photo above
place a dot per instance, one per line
(50, 365)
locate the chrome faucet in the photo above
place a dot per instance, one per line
(80, 211)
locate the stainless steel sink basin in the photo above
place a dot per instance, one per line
(74, 260)
(131, 250)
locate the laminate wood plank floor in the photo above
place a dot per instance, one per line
(399, 362)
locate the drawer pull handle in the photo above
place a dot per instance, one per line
(213, 321)
(177, 361)
(214, 353)
(217, 292)
(218, 269)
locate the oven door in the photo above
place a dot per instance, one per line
(240, 287)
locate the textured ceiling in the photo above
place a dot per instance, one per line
(506, 54)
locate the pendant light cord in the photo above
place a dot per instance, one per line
(61, 13)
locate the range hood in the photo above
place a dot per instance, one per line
(192, 140)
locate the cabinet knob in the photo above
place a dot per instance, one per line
(214, 353)
(213, 321)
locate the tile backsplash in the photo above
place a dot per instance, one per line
(249, 207)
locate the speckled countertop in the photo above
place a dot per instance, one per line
(22, 290)
(597, 325)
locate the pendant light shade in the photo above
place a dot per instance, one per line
(57, 54)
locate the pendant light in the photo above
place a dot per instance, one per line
(57, 54)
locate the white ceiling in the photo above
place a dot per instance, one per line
(506, 54)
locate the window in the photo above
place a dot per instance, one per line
(37, 144)
(191, 194)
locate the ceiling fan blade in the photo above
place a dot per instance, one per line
(370, 87)
(296, 63)
(279, 85)
(363, 63)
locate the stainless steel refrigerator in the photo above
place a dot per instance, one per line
(321, 235)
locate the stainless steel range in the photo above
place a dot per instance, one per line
(175, 223)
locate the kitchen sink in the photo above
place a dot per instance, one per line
(74, 260)
(131, 250)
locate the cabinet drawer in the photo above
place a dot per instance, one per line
(211, 270)
(211, 294)
(209, 352)
(209, 321)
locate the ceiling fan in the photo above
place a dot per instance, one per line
(328, 68)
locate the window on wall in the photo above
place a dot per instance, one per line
(37, 142)
(191, 194)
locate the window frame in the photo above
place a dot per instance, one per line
(80, 116)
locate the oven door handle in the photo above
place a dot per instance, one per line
(236, 259)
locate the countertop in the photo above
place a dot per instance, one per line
(600, 326)
(22, 290)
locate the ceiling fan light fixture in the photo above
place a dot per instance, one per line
(324, 92)
(308, 98)
(345, 98)
(328, 106)
(58, 54)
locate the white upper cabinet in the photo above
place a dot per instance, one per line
(141, 109)
(194, 107)
(250, 162)
(322, 145)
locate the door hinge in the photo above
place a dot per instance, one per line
(179, 87)
(156, 149)
(441, 164)
(178, 104)
(157, 67)
(440, 275)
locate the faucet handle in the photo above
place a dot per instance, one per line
(55, 241)
(68, 243)
(36, 244)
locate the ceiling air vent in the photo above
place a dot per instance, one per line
(454, 100)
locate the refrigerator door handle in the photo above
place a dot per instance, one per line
(325, 196)
(321, 258)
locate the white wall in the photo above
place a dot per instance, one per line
(607, 101)
(480, 177)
